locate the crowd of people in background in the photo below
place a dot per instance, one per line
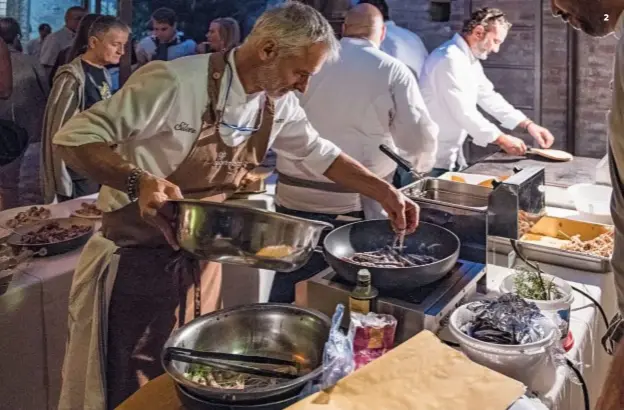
(49, 79)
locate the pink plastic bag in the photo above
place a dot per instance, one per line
(372, 335)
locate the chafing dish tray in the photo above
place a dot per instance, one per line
(449, 192)
(544, 240)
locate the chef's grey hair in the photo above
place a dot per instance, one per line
(486, 17)
(295, 26)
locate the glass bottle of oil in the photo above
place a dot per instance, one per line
(362, 297)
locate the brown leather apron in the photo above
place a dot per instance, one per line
(149, 298)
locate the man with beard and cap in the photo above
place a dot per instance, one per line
(598, 19)
(192, 127)
(453, 84)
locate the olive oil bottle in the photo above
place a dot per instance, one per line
(362, 297)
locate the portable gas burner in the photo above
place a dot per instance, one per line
(417, 309)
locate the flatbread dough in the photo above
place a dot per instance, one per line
(420, 374)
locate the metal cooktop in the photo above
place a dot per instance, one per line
(416, 309)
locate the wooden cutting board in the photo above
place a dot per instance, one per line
(420, 374)
(552, 154)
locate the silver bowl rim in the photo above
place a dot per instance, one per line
(179, 378)
(272, 214)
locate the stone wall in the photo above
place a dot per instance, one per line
(595, 60)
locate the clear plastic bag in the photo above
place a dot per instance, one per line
(337, 357)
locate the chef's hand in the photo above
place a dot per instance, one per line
(154, 192)
(543, 137)
(511, 145)
(403, 213)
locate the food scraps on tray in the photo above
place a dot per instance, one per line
(32, 214)
(88, 210)
(53, 232)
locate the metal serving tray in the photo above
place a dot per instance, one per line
(448, 192)
(552, 255)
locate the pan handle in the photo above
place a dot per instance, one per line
(401, 162)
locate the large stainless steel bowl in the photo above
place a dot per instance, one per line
(235, 234)
(275, 330)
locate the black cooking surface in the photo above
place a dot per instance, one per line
(420, 294)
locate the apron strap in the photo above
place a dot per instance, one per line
(306, 183)
(184, 265)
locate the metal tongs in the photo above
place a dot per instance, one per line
(224, 361)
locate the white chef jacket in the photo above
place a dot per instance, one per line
(155, 118)
(405, 46)
(453, 84)
(53, 45)
(365, 99)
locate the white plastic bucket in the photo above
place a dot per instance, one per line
(550, 308)
(515, 361)
(593, 202)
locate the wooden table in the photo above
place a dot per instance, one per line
(158, 394)
(561, 174)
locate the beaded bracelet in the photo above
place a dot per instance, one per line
(133, 184)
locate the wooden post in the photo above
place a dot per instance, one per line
(125, 14)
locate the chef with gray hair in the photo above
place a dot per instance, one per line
(192, 127)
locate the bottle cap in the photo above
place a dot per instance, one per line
(364, 275)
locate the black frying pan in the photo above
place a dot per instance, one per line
(371, 235)
(52, 248)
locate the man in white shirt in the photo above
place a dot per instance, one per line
(165, 43)
(453, 85)
(365, 99)
(33, 47)
(598, 19)
(195, 127)
(400, 42)
(61, 39)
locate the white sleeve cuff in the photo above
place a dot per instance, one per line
(513, 119)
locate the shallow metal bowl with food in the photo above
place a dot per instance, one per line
(279, 331)
(241, 235)
(69, 234)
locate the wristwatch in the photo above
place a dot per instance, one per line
(132, 184)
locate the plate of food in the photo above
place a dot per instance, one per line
(88, 210)
(52, 237)
(25, 216)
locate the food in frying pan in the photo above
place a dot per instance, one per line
(390, 257)
(33, 214)
(53, 232)
(601, 246)
(88, 210)
(229, 380)
(275, 251)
